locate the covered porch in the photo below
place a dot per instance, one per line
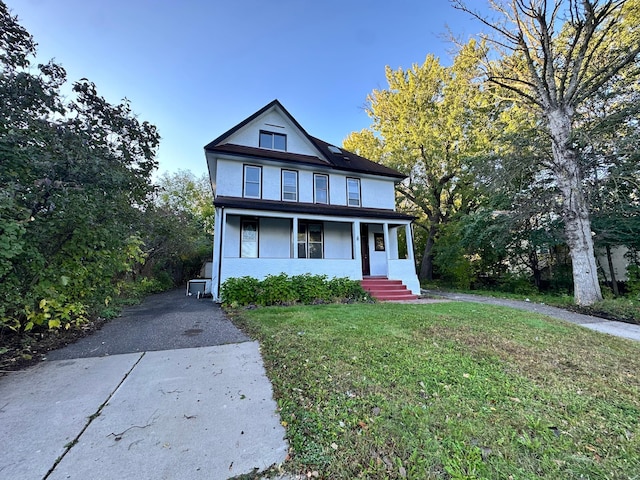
(260, 243)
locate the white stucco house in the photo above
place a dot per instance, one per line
(289, 202)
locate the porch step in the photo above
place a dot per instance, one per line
(381, 288)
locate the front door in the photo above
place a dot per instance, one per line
(364, 247)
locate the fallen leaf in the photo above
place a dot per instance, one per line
(334, 445)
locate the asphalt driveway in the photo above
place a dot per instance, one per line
(164, 321)
(170, 390)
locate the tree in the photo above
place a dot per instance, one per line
(75, 176)
(178, 227)
(428, 124)
(554, 56)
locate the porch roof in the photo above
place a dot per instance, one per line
(309, 208)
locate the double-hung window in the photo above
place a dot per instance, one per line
(252, 181)
(353, 192)
(249, 238)
(320, 188)
(310, 240)
(272, 140)
(289, 186)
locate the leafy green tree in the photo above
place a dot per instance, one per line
(554, 56)
(74, 177)
(429, 124)
(178, 227)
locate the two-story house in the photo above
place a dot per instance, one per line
(288, 202)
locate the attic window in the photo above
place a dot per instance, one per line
(335, 150)
(274, 141)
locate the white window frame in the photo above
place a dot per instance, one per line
(353, 202)
(249, 248)
(293, 195)
(304, 239)
(272, 143)
(245, 181)
(315, 188)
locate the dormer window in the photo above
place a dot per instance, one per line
(272, 140)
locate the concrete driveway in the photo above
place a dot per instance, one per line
(171, 390)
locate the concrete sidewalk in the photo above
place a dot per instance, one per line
(618, 329)
(194, 413)
(170, 390)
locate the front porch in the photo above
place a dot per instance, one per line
(274, 242)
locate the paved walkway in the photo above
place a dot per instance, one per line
(618, 329)
(171, 390)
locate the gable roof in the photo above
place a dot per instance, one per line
(330, 156)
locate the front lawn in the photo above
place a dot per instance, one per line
(449, 390)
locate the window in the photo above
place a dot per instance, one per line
(378, 242)
(252, 181)
(310, 237)
(249, 239)
(321, 188)
(289, 185)
(353, 192)
(274, 141)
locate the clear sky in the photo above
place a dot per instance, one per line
(195, 68)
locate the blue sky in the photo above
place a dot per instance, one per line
(195, 68)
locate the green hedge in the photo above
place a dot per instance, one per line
(285, 290)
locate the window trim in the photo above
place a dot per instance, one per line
(244, 181)
(315, 193)
(306, 242)
(282, 174)
(359, 192)
(243, 222)
(273, 135)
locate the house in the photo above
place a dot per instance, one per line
(289, 202)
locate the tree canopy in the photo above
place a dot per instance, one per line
(75, 177)
(554, 56)
(429, 124)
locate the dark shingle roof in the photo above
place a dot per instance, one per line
(309, 208)
(345, 160)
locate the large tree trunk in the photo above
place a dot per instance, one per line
(577, 225)
(426, 266)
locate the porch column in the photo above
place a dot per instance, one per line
(385, 229)
(355, 239)
(219, 233)
(294, 237)
(409, 236)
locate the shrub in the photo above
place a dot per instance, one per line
(311, 289)
(284, 290)
(240, 291)
(276, 290)
(633, 282)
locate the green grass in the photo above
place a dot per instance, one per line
(449, 390)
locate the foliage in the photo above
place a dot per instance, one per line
(449, 390)
(553, 57)
(285, 290)
(238, 291)
(178, 227)
(74, 178)
(429, 124)
(633, 280)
